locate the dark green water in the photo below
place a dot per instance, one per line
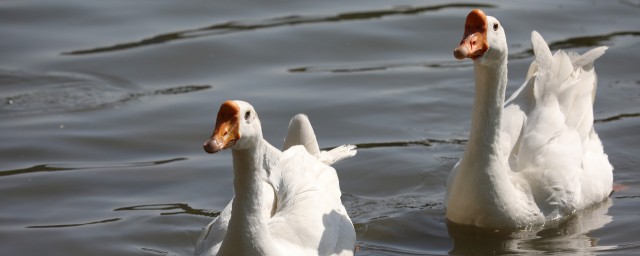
(105, 105)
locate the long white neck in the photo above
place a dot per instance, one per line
(484, 137)
(253, 204)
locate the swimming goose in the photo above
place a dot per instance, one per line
(285, 203)
(536, 158)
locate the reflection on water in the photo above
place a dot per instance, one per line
(570, 236)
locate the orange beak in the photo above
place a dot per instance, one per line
(226, 132)
(474, 42)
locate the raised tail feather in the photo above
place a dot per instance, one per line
(337, 154)
(301, 133)
(567, 79)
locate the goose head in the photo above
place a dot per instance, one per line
(484, 39)
(237, 127)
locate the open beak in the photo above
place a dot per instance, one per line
(474, 42)
(227, 129)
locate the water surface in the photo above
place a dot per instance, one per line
(105, 105)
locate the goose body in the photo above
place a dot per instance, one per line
(536, 158)
(285, 203)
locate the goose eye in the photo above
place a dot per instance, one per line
(495, 27)
(247, 115)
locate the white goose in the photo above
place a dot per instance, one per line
(538, 158)
(286, 203)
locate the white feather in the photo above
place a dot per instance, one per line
(289, 204)
(301, 132)
(546, 159)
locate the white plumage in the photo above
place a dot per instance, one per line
(536, 158)
(286, 203)
(300, 132)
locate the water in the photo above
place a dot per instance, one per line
(105, 105)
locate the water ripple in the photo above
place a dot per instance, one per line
(578, 42)
(381, 67)
(570, 43)
(28, 92)
(293, 20)
(617, 117)
(376, 249)
(182, 209)
(56, 168)
(154, 251)
(390, 144)
(76, 224)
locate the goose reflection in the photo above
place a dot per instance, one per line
(571, 236)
